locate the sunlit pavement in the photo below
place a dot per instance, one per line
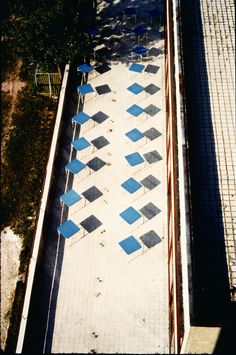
(112, 299)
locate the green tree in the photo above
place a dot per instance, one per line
(51, 32)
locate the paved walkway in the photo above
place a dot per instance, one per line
(108, 301)
(210, 72)
(219, 23)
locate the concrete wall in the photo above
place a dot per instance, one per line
(38, 235)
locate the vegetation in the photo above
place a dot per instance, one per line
(22, 174)
(24, 163)
(48, 34)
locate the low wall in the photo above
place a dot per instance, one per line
(44, 200)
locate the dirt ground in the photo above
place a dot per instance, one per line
(10, 243)
(11, 86)
(10, 250)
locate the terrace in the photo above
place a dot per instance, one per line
(103, 279)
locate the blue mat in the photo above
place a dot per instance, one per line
(80, 144)
(135, 110)
(135, 88)
(85, 89)
(134, 159)
(85, 68)
(130, 215)
(134, 135)
(139, 30)
(137, 68)
(140, 50)
(68, 229)
(131, 185)
(70, 197)
(130, 245)
(75, 166)
(80, 118)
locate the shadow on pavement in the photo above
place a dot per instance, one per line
(210, 274)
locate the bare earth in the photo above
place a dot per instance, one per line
(10, 243)
(11, 86)
(10, 251)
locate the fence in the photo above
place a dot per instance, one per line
(48, 83)
(171, 185)
(179, 250)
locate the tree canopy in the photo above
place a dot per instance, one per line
(47, 31)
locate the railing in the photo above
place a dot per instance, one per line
(171, 185)
(48, 83)
(179, 254)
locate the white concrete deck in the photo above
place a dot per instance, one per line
(109, 301)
